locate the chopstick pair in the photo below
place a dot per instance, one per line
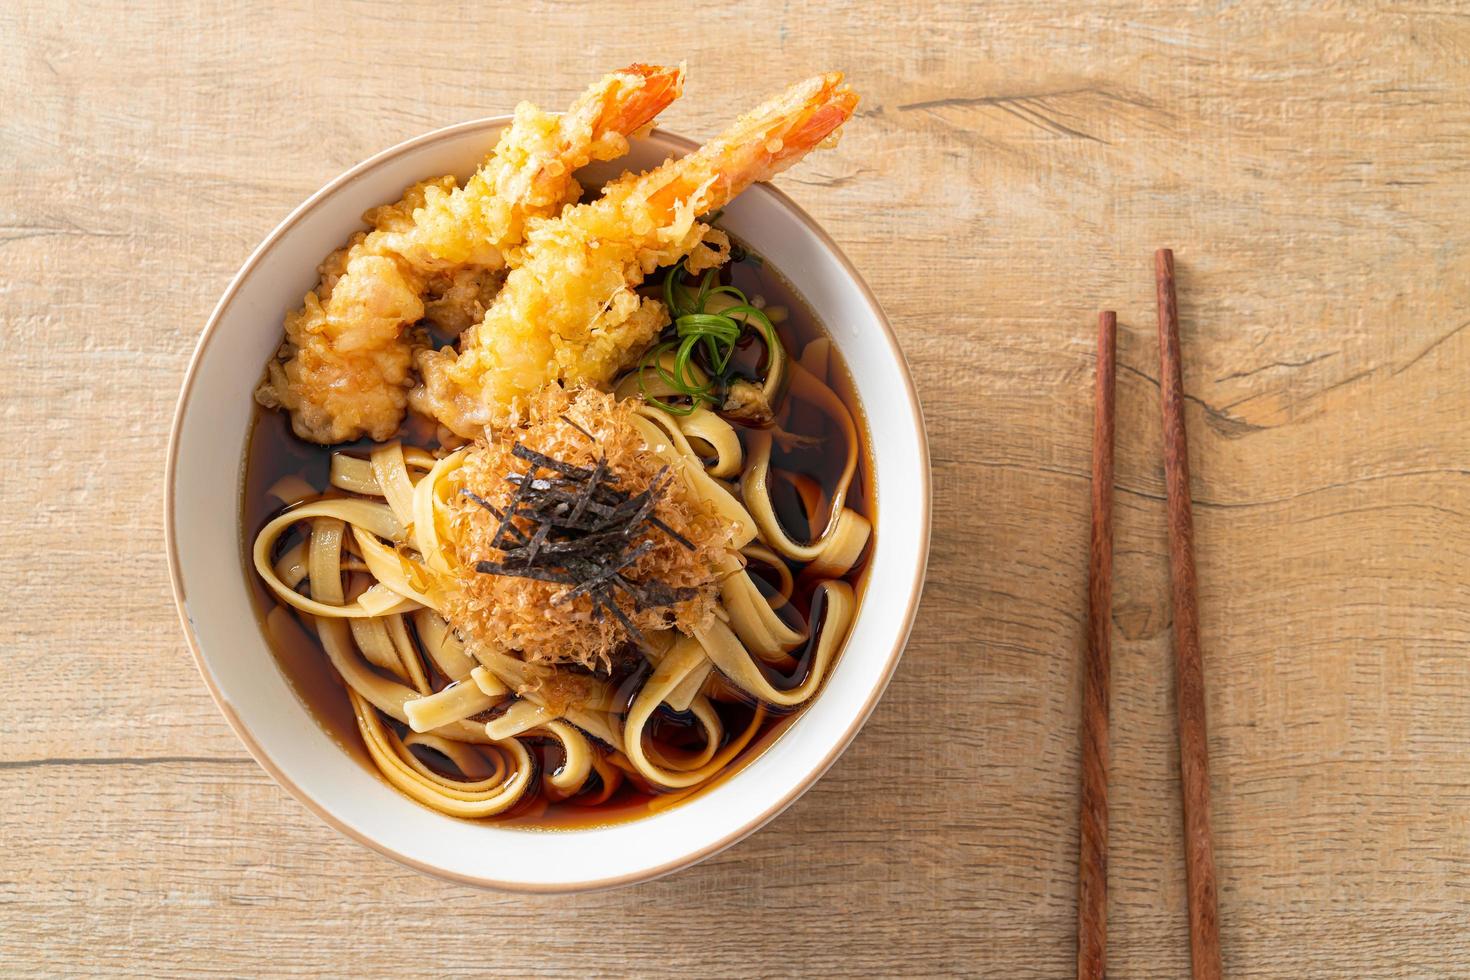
(1199, 860)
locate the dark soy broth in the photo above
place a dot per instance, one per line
(273, 452)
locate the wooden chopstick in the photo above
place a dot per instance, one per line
(1092, 862)
(1199, 856)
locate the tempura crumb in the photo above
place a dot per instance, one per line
(521, 614)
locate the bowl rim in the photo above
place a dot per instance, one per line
(243, 733)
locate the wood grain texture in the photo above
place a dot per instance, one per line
(1011, 170)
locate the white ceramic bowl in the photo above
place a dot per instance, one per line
(206, 555)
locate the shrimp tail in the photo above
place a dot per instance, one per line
(659, 87)
(765, 141)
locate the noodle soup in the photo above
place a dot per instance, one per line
(571, 514)
(804, 471)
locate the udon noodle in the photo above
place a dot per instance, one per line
(359, 564)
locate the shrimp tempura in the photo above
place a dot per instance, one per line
(568, 309)
(344, 370)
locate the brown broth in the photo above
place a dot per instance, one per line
(273, 452)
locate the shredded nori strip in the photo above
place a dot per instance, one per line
(606, 600)
(574, 425)
(607, 573)
(481, 501)
(519, 571)
(576, 528)
(521, 451)
(687, 544)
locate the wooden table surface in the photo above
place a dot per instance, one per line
(1011, 171)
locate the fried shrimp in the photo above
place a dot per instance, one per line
(345, 368)
(568, 309)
